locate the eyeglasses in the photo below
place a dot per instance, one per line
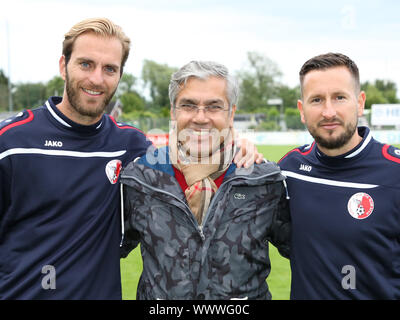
(194, 109)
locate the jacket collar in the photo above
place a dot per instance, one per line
(61, 119)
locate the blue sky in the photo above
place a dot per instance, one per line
(175, 32)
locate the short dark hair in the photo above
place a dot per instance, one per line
(330, 60)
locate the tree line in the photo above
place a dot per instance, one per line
(147, 96)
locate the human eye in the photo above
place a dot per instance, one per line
(188, 107)
(315, 100)
(84, 65)
(340, 98)
(110, 69)
(214, 108)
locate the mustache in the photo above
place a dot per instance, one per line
(328, 122)
(94, 88)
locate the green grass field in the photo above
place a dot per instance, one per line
(278, 280)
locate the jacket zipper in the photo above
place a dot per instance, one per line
(201, 232)
(121, 194)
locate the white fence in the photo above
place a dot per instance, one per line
(385, 114)
(299, 138)
(295, 138)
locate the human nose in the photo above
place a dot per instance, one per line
(96, 76)
(200, 115)
(329, 110)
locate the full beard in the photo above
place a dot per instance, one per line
(335, 143)
(78, 105)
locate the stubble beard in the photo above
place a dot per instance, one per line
(78, 106)
(334, 143)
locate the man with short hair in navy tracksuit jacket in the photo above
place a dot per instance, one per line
(344, 193)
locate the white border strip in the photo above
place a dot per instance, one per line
(66, 153)
(366, 141)
(121, 190)
(329, 182)
(56, 116)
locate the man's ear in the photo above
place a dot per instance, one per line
(232, 116)
(361, 103)
(172, 113)
(300, 107)
(62, 65)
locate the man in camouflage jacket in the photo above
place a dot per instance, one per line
(216, 250)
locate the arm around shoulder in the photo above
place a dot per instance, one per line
(131, 237)
(281, 225)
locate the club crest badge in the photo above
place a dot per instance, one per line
(360, 205)
(113, 169)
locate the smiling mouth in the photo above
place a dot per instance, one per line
(91, 92)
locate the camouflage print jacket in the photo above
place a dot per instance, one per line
(227, 256)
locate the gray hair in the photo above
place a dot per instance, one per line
(203, 70)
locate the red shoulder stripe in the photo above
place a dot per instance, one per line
(387, 155)
(298, 150)
(18, 123)
(124, 127)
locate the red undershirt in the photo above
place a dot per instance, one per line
(182, 182)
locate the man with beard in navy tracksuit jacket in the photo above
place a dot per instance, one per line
(60, 225)
(344, 193)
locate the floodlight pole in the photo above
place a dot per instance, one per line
(279, 102)
(10, 101)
